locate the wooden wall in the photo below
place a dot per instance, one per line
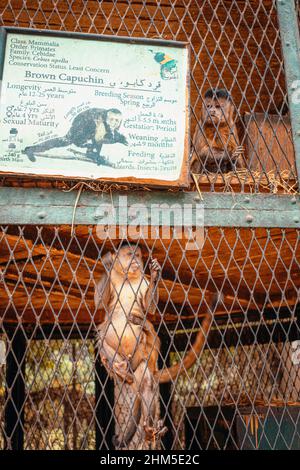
(52, 279)
(233, 44)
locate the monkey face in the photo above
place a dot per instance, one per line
(215, 110)
(114, 120)
(129, 261)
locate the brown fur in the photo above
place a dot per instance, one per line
(216, 142)
(128, 343)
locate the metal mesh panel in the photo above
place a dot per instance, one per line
(235, 376)
(60, 390)
(2, 388)
(243, 391)
(234, 45)
(245, 380)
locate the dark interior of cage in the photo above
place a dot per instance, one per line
(48, 296)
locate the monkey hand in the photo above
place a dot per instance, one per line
(239, 150)
(122, 371)
(107, 366)
(155, 269)
(238, 155)
(154, 433)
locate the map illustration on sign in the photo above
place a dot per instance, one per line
(94, 108)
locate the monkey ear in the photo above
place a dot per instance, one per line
(203, 111)
(230, 110)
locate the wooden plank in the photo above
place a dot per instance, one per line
(208, 27)
(20, 206)
(255, 270)
(269, 143)
(209, 30)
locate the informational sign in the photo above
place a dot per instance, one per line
(94, 107)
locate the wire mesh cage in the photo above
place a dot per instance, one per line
(57, 387)
(58, 398)
(234, 46)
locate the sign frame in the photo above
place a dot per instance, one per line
(183, 179)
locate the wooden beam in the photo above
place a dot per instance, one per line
(33, 206)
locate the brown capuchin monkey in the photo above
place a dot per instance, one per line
(216, 142)
(128, 343)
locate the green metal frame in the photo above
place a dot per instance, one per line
(290, 43)
(53, 207)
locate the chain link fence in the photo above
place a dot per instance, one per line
(243, 390)
(234, 45)
(58, 395)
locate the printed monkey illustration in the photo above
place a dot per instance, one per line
(216, 141)
(127, 341)
(89, 130)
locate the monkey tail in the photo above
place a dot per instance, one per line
(170, 373)
(135, 416)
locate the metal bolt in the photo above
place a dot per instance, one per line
(298, 132)
(287, 43)
(296, 220)
(247, 199)
(42, 215)
(197, 198)
(293, 200)
(249, 218)
(42, 195)
(99, 216)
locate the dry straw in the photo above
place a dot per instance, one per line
(273, 182)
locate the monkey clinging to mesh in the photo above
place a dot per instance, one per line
(216, 141)
(128, 343)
